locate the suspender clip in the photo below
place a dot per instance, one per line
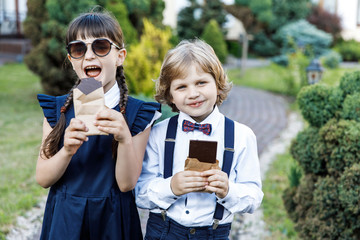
(163, 214)
(215, 223)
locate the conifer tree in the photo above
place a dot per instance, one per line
(213, 36)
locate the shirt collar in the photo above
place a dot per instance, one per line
(112, 97)
(213, 118)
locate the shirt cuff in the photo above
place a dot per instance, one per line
(162, 194)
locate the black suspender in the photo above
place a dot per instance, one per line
(227, 159)
(169, 146)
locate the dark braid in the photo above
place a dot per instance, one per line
(51, 143)
(120, 79)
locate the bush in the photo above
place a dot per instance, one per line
(302, 33)
(326, 203)
(143, 62)
(331, 59)
(319, 103)
(350, 83)
(306, 148)
(349, 50)
(351, 107)
(234, 48)
(264, 45)
(214, 37)
(326, 21)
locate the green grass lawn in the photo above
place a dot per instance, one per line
(20, 137)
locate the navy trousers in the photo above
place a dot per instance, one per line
(158, 229)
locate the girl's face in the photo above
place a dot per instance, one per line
(103, 69)
(195, 94)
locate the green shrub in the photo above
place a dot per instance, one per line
(349, 50)
(350, 82)
(326, 203)
(331, 59)
(319, 103)
(213, 36)
(305, 34)
(143, 62)
(351, 107)
(306, 148)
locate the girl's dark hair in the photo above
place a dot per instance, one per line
(93, 24)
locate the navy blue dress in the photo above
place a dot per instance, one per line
(86, 202)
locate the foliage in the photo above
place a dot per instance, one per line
(140, 9)
(48, 53)
(119, 10)
(272, 15)
(326, 203)
(264, 45)
(351, 107)
(286, 12)
(234, 48)
(302, 33)
(326, 21)
(349, 50)
(331, 59)
(213, 36)
(144, 59)
(320, 103)
(194, 18)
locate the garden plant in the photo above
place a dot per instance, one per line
(323, 201)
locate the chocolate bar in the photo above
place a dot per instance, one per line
(204, 151)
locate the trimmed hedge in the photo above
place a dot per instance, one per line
(325, 205)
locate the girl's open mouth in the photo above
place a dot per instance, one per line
(92, 71)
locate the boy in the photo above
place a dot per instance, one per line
(196, 204)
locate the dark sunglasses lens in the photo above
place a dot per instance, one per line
(77, 50)
(101, 47)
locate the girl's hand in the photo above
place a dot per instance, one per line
(74, 136)
(113, 122)
(218, 182)
(187, 181)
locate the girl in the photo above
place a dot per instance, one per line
(91, 177)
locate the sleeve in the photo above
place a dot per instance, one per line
(48, 105)
(146, 115)
(152, 190)
(245, 194)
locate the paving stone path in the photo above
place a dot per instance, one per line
(265, 113)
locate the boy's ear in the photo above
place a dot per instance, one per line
(121, 57)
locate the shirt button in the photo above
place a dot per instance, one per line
(175, 198)
(223, 201)
(187, 212)
(192, 231)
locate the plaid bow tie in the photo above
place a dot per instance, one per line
(188, 126)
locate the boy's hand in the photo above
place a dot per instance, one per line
(112, 122)
(187, 181)
(218, 182)
(74, 136)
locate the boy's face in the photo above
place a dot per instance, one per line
(103, 69)
(195, 94)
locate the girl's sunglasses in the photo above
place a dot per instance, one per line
(101, 47)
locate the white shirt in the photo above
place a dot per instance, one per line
(197, 209)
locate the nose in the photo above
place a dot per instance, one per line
(89, 54)
(193, 92)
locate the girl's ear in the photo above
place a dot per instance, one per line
(121, 57)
